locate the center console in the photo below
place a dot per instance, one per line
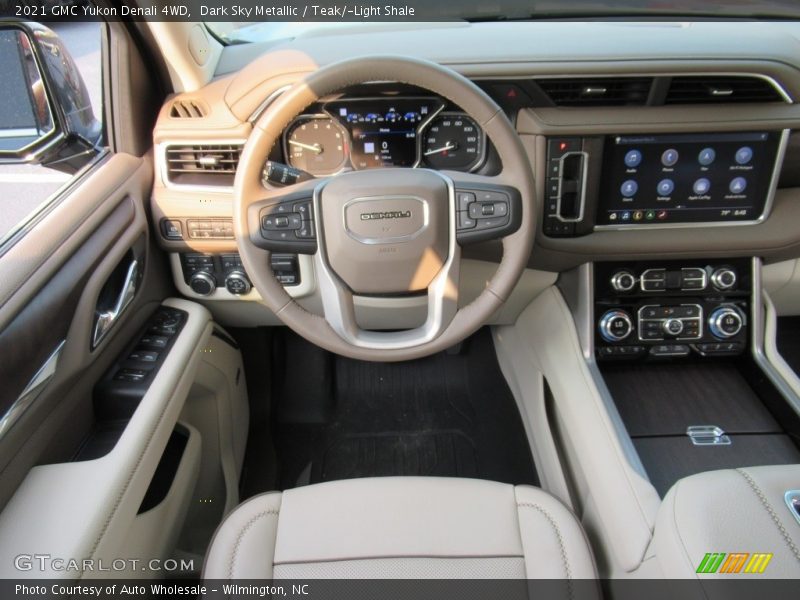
(676, 180)
(653, 310)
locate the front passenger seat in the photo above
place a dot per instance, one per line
(401, 527)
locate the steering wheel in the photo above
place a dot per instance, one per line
(385, 232)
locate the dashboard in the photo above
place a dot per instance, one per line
(663, 142)
(374, 132)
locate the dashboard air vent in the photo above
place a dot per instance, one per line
(187, 109)
(213, 165)
(720, 90)
(599, 91)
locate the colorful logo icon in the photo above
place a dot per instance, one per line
(734, 563)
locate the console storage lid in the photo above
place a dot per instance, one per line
(735, 511)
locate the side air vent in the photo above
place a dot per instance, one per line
(212, 165)
(188, 109)
(599, 91)
(720, 90)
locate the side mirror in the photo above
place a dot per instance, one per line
(47, 116)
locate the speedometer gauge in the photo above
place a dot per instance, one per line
(453, 141)
(316, 144)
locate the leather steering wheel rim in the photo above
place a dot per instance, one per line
(516, 173)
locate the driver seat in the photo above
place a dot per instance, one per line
(401, 527)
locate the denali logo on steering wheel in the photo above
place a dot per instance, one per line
(392, 214)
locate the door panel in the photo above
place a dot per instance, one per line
(53, 277)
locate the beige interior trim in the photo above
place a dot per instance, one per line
(190, 52)
(85, 509)
(617, 505)
(782, 281)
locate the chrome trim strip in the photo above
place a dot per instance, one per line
(792, 499)
(757, 329)
(773, 186)
(31, 391)
(105, 321)
(708, 435)
(267, 103)
(577, 288)
(339, 306)
(584, 174)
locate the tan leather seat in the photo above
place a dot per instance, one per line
(399, 527)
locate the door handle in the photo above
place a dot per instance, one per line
(105, 320)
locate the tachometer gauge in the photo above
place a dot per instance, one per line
(453, 141)
(316, 144)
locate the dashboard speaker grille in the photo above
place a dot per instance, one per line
(720, 90)
(202, 164)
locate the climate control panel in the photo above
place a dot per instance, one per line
(657, 310)
(205, 273)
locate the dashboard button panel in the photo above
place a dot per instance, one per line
(676, 309)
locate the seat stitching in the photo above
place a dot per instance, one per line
(775, 518)
(241, 535)
(558, 535)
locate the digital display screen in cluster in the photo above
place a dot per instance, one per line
(384, 132)
(652, 179)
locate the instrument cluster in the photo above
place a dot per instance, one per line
(367, 133)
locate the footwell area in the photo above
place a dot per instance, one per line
(449, 415)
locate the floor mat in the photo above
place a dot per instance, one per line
(449, 415)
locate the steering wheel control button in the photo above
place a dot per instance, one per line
(725, 322)
(485, 214)
(464, 200)
(724, 278)
(615, 326)
(306, 231)
(465, 221)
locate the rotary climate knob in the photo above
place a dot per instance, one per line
(203, 283)
(237, 283)
(725, 322)
(615, 326)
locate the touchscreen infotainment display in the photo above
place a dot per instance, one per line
(686, 178)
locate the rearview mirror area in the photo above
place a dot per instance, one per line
(46, 116)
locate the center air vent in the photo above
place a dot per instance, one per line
(213, 165)
(599, 91)
(720, 89)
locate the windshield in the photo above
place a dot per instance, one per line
(258, 30)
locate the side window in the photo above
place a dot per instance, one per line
(26, 188)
